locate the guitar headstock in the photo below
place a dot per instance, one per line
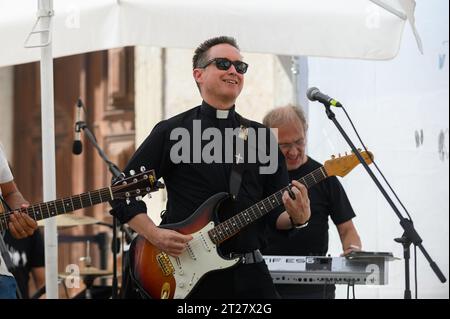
(136, 185)
(342, 165)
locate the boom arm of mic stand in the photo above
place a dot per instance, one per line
(409, 230)
(112, 167)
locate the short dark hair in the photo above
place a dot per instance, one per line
(201, 53)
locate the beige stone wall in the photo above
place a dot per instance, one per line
(6, 109)
(180, 89)
(149, 101)
(165, 87)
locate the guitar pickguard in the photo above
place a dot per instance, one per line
(199, 258)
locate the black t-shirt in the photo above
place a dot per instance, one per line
(190, 184)
(327, 199)
(26, 253)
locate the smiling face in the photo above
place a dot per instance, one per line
(220, 88)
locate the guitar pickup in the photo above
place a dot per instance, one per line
(190, 252)
(165, 264)
(204, 242)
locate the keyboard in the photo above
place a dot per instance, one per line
(359, 268)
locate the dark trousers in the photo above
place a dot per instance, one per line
(243, 281)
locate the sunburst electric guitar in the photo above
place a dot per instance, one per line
(134, 186)
(161, 276)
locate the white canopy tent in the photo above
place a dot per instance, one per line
(357, 29)
(361, 29)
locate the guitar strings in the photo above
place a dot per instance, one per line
(95, 195)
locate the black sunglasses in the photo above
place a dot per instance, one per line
(224, 64)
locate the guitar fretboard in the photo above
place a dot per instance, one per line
(60, 206)
(233, 225)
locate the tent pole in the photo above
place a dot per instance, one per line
(45, 13)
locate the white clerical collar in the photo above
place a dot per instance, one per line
(222, 114)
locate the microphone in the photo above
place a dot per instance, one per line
(77, 147)
(314, 94)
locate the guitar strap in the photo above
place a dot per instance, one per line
(5, 254)
(4, 250)
(238, 167)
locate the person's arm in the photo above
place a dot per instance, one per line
(297, 210)
(38, 274)
(154, 152)
(20, 224)
(349, 237)
(12, 195)
(167, 240)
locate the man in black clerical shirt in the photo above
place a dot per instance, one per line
(327, 199)
(194, 154)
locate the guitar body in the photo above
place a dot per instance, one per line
(161, 276)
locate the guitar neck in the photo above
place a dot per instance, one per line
(233, 225)
(61, 206)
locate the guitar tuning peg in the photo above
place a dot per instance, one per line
(143, 169)
(128, 201)
(138, 198)
(132, 172)
(149, 195)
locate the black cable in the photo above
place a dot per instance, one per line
(324, 290)
(415, 270)
(38, 293)
(393, 192)
(353, 288)
(376, 166)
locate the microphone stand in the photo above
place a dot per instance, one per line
(117, 175)
(410, 234)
